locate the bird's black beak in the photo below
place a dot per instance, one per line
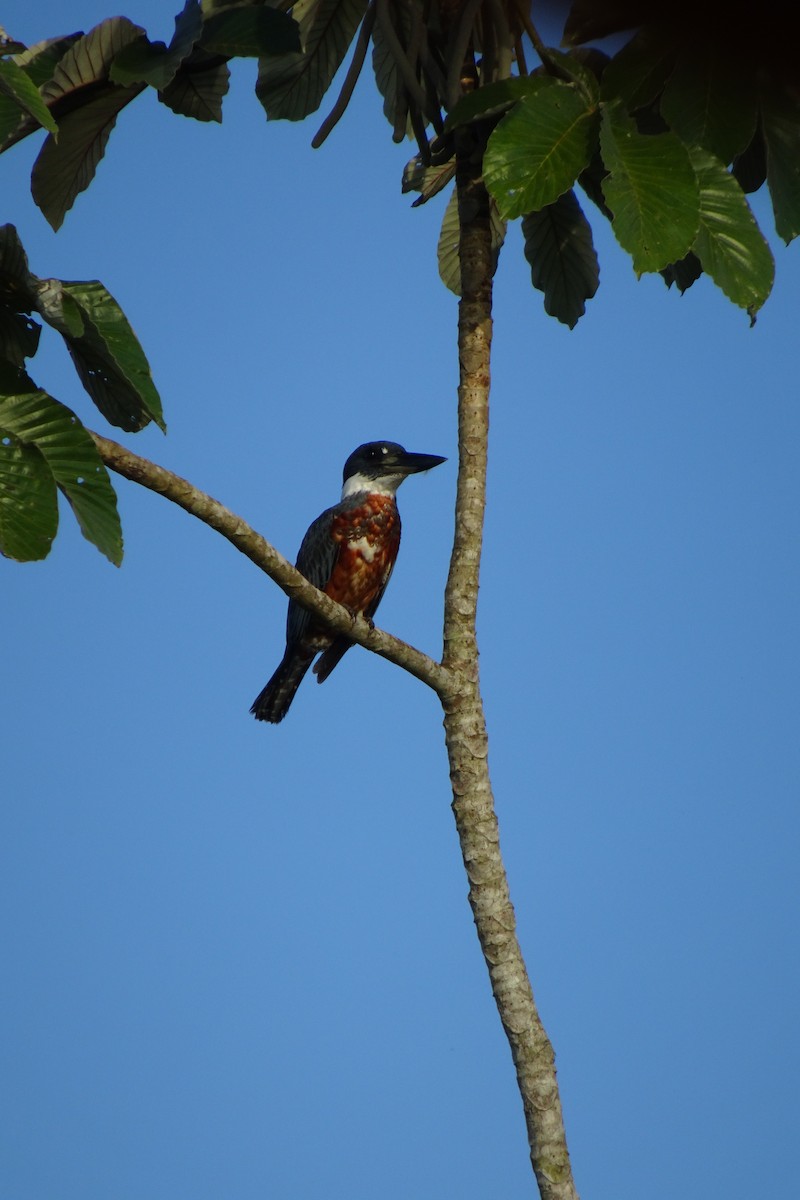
(412, 464)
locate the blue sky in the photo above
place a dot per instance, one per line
(239, 960)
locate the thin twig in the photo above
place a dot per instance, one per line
(350, 79)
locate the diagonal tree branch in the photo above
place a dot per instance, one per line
(266, 557)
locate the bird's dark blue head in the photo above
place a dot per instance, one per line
(382, 467)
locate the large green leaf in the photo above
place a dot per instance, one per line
(19, 87)
(38, 63)
(28, 507)
(651, 190)
(199, 87)
(249, 32)
(108, 357)
(494, 98)
(449, 237)
(66, 165)
(539, 149)
(291, 86)
(780, 117)
(559, 248)
(144, 61)
(37, 420)
(709, 101)
(384, 65)
(86, 105)
(729, 243)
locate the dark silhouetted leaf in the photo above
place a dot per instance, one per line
(729, 243)
(384, 63)
(250, 32)
(198, 88)
(28, 507)
(144, 61)
(750, 168)
(37, 420)
(559, 248)
(539, 149)
(780, 116)
(709, 102)
(449, 237)
(89, 59)
(292, 85)
(684, 272)
(66, 165)
(638, 72)
(651, 190)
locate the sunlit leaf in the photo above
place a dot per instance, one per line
(651, 190)
(110, 361)
(19, 87)
(37, 420)
(539, 149)
(28, 507)
(559, 248)
(729, 243)
(494, 98)
(291, 86)
(38, 62)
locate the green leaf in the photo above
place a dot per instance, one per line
(651, 190)
(449, 237)
(36, 419)
(538, 150)
(28, 507)
(292, 85)
(16, 84)
(58, 308)
(250, 32)
(708, 101)
(38, 63)
(729, 243)
(89, 59)
(384, 65)
(86, 115)
(144, 61)
(575, 70)
(780, 116)
(427, 180)
(494, 98)
(66, 166)
(19, 335)
(559, 248)
(109, 360)
(638, 72)
(198, 88)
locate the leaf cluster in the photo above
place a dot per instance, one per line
(44, 448)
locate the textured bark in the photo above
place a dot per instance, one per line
(465, 727)
(258, 550)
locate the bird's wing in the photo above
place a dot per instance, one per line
(315, 559)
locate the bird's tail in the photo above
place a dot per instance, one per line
(327, 661)
(272, 703)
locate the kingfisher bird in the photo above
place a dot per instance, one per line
(348, 553)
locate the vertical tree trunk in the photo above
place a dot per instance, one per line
(465, 727)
